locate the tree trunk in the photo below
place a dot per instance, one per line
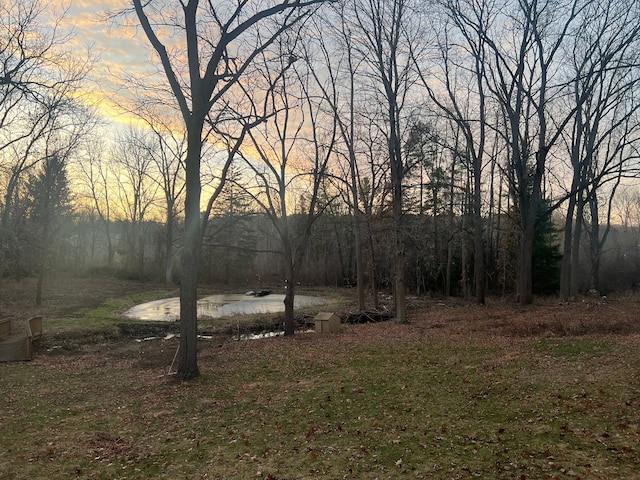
(525, 268)
(111, 250)
(529, 214)
(289, 318)
(575, 250)
(290, 292)
(359, 257)
(373, 271)
(187, 358)
(170, 249)
(595, 244)
(398, 238)
(447, 284)
(400, 290)
(565, 267)
(529, 206)
(478, 236)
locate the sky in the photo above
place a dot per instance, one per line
(117, 50)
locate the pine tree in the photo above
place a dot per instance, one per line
(546, 254)
(49, 207)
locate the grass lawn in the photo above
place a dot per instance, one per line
(459, 392)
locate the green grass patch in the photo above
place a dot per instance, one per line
(94, 325)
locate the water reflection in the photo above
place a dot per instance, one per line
(218, 306)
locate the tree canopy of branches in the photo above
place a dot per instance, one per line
(38, 114)
(216, 48)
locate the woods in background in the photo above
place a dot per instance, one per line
(457, 147)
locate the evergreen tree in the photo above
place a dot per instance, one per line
(546, 254)
(49, 207)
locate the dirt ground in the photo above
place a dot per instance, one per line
(65, 297)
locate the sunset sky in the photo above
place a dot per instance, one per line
(116, 49)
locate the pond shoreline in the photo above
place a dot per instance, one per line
(219, 306)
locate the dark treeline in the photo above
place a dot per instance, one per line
(243, 251)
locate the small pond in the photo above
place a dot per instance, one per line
(218, 306)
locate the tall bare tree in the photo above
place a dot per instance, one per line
(460, 94)
(137, 190)
(95, 178)
(38, 78)
(605, 128)
(524, 44)
(386, 32)
(293, 147)
(168, 158)
(334, 70)
(207, 52)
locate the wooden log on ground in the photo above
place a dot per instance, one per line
(371, 316)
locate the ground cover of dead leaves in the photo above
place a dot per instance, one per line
(131, 430)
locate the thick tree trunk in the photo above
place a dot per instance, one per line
(528, 219)
(187, 358)
(565, 267)
(575, 251)
(290, 291)
(478, 236)
(398, 234)
(525, 268)
(400, 289)
(357, 238)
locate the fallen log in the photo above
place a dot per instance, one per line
(368, 316)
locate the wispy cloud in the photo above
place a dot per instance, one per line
(115, 46)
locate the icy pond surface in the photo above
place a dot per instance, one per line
(218, 306)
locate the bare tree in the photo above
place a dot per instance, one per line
(38, 77)
(95, 175)
(460, 94)
(214, 47)
(524, 45)
(337, 62)
(606, 74)
(136, 190)
(169, 164)
(293, 147)
(385, 32)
